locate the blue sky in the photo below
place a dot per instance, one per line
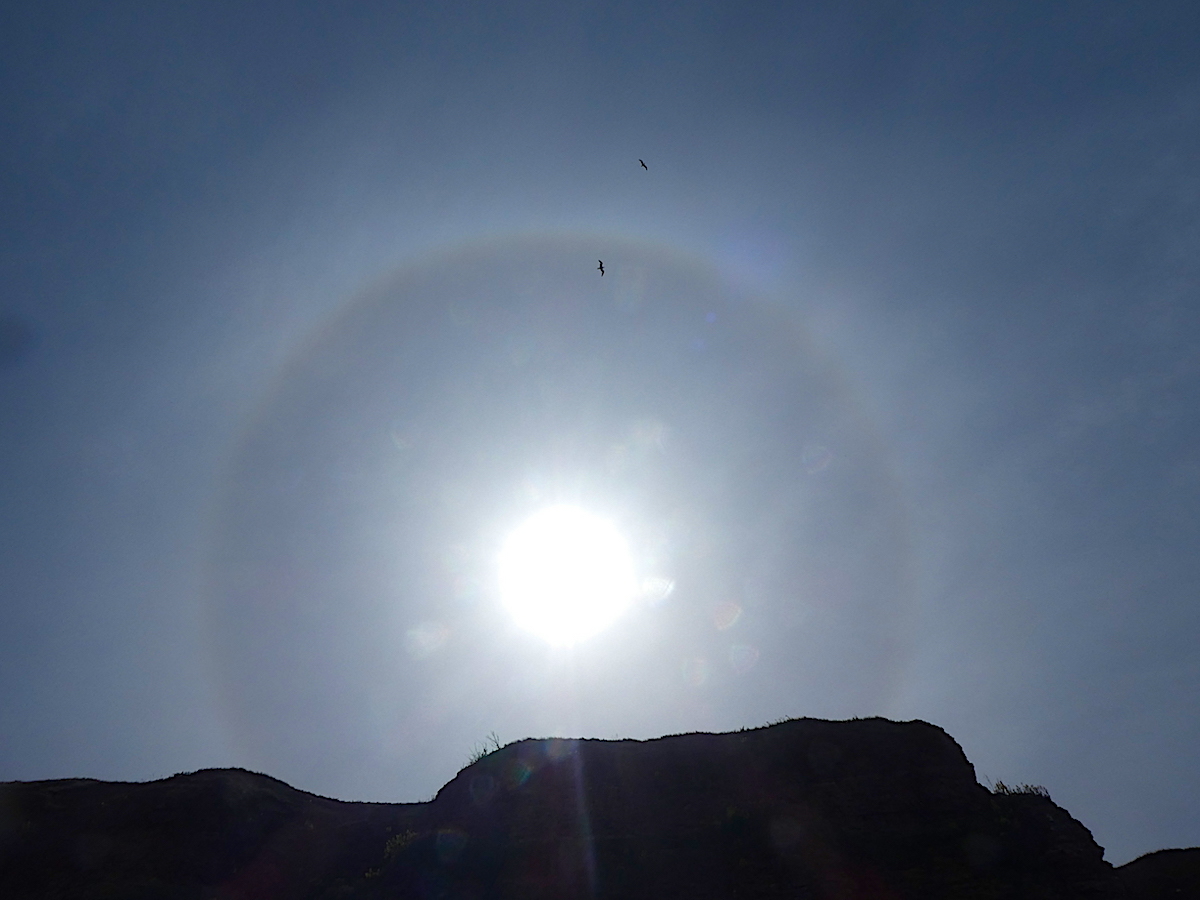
(895, 365)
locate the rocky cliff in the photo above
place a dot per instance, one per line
(803, 809)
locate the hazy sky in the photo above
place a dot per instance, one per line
(894, 373)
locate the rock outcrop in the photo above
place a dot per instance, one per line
(802, 809)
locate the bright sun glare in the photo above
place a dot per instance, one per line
(566, 574)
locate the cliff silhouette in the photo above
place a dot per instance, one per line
(806, 808)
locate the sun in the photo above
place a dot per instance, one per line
(566, 574)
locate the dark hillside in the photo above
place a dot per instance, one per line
(1164, 875)
(220, 832)
(802, 809)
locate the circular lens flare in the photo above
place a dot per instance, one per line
(566, 574)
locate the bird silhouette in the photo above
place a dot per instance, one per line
(601, 267)
(644, 166)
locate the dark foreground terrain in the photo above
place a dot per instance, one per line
(862, 809)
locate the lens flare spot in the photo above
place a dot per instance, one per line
(742, 657)
(815, 458)
(450, 843)
(695, 670)
(726, 615)
(426, 639)
(566, 575)
(656, 590)
(402, 437)
(558, 749)
(483, 789)
(518, 774)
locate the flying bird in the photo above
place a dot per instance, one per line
(601, 267)
(644, 166)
